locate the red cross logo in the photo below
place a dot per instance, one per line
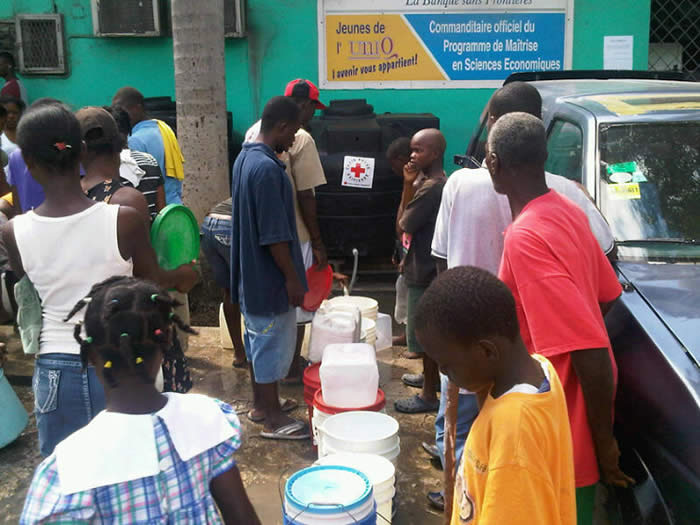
(358, 170)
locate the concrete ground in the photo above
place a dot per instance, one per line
(264, 464)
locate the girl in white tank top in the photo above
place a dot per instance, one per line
(65, 246)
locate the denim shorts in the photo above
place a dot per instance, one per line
(66, 397)
(467, 410)
(216, 245)
(269, 344)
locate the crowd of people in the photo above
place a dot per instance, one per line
(504, 281)
(550, 247)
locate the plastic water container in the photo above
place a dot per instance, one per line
(349, 375)
(14, 416)
(322, 411)
(380, 472)
(360, 431)
(384, 332)
(224, 335)
(330, 326)
(329, 495)
(368, 307)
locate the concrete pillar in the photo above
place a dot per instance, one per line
(200, 90)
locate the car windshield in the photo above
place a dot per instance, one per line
(650, 188)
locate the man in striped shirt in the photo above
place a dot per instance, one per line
(139, 169)
(150, 182)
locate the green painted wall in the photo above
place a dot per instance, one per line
(282, 45)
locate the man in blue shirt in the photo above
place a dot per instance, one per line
(146, 137)
(267, 270)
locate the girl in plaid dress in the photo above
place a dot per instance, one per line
(149, 457)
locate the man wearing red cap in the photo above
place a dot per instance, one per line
(305, 172)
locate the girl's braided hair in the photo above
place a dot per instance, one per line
(126, 320)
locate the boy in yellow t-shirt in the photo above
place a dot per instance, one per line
(517, 466)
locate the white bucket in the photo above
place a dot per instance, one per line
(360, 431)
(391, 454)
(329, 495)
(368, 307)
(381, 473)
(317, 422)
(369, 327)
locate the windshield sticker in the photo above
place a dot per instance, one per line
(624, 192)
(620, 177)
(624, 172)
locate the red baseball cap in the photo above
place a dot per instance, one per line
(303, 88)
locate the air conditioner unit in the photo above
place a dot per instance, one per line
(234, 18)
(7, 35)
(126, 17)
(40, 49)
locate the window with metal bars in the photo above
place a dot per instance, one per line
(40, 44)
(674, 36)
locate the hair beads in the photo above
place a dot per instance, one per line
(126, 320)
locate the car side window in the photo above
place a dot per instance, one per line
(565, 150)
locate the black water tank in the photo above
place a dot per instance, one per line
(165, 109)
(356, 217)
(395, 125)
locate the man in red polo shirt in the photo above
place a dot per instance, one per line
(563, 284)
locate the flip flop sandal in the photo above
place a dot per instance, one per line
(432, 450)
(415, 405)
(287, 406)
(411, 355)
(414, 380)
(437, 500)
(287, 432)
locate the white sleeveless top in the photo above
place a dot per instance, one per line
(64, 257)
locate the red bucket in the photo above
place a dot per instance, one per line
(312, 382)
(378, 404)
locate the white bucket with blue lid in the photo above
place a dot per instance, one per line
(329, 495)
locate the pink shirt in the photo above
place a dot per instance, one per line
(559, 276)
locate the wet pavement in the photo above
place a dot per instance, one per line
(264, 464)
